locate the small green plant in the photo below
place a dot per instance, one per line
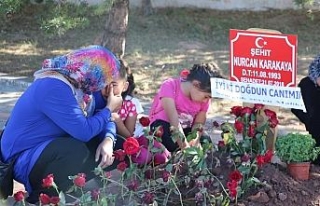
(11, 6)
(296, 147)
(304, 3)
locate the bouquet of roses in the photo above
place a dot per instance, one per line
(245, 142)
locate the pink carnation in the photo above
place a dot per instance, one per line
(142, 157)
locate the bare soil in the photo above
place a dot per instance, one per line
(282, 189)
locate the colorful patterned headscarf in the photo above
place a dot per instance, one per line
(88, 69)
(314, 69)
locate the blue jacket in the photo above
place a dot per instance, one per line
(45, 111)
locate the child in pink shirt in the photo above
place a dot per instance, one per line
(183, 103)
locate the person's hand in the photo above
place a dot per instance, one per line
(195, 143)
(105, 153)
(114, 102)
(184, 145)
(115, 117)
(105, 92)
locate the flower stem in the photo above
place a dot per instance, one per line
(217, 180)
(119, 184)
(180, 196)
(167, 197)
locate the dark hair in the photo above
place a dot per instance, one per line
(129, 76)
(123, 70)
(203, 73)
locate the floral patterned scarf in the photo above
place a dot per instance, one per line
(88, 70)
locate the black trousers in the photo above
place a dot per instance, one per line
(166, 137)
(63, 157)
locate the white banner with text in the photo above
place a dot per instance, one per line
(287, 97)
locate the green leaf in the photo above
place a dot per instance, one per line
(169, 167)
(192, 135)
(244, 169)
(191, 151)
(296, 147)
(156, 150)
(62, 198)
(255, 180)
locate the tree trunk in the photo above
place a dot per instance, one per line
(147, 7)
(114, 35)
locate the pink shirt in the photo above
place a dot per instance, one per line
(186, 108)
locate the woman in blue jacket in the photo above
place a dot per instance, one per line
(61, 124)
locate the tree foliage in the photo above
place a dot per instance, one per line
(60, 17)
(304, 3)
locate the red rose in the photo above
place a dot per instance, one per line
(122, 166)
(95, 194)
(198, 197)
(143, 141)
(19, 196)
(165, 175)
(159, 131)
(48, 181)
(131, 146)
(245, 157)
(119, 155)
(133, 185)
(221, 144)
(80, 180)
(260, 160)
(184, 73)
(215, 124)
(148, 198)
(236, 110)
(55, 200)
(44, 199)
(270, 114)
(268, 156)
(235, 175)
(258, 106)
(144, 121)
(273, 122)
(159, 158)
(149, 174)
(233, 192)
(142, 157)
(107, 174)
(246, 111)
(251, 131)
(232, 185)
(239, 126)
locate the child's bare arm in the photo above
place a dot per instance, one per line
(130, 123)
(200, 118)
(199, 121)
(172, 114)
(121, 127)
